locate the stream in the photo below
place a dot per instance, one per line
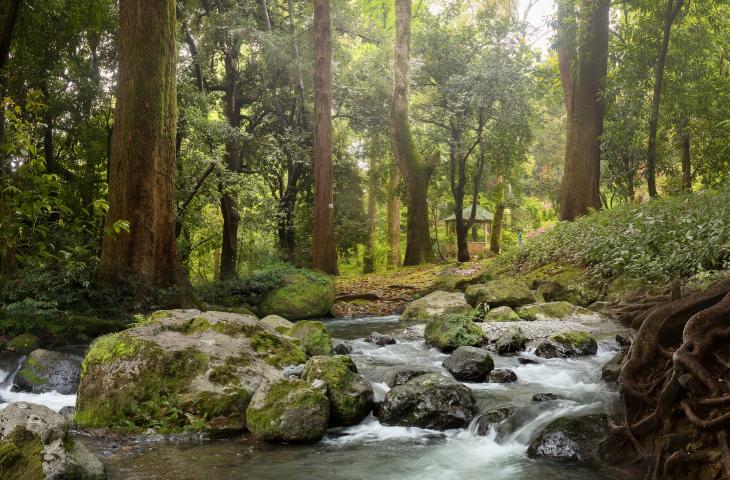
(373, 451)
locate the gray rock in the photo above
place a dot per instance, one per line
(570, 439)
(491, 417)
(436, 304)
(612, 369)
(401, 375)
(502, 375)
(46, 371)
(511, 342)
(567, 344)
(545, 397)
(469, 364)
(293, 371)
(342, 348)
(527, 361)
(380, 340)
(429, 401)
(280, 324)
(22, 424)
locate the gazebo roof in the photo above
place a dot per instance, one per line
(483, 215)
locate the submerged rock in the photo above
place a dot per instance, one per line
(568, 344)
(527, 361)
(502, 375)
(35, 444)
(436, 304)
(489, 418)
(545, 397)
(350, 395)
(511, 342)
(313, 336)
(551, 311)
(501, 314)
(469, 364)
(302, 295)
(572, 439)
(429, 401)
(449, 332)
(205, 365)
(288, 411)
(401, 375)
(380, 340)
(498, 293)
(45, 371)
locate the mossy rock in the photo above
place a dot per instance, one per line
(506, 292)
(313, 336)
(25, 343)
(21, 456)
(568, 344)
(350, 395)
(280, 324)
(449, 332)
(288, 411)
(551, 311)
(302, 295)
(435, 304)
(180, 370)
(501, 314)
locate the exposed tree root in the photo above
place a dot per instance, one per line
(676, 386)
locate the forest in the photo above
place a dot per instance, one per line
(352, 239)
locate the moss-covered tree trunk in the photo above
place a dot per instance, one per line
(583, 65)
(142, 168)
(416, 172)
(324, 249)
(394, 219)
(686, 153)
(368, 261)
(495, 239)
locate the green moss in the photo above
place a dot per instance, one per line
(24, 343)
(225, 410)
(313, 336)
(539, 311)
(501, 314)
(449, 332)
(302, 295)
(31, 377)
(21, 456)
(227, 373)
(508, 292)
(115, 346)
(276, 350)
(573, 338)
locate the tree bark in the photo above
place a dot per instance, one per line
(686, 147)
(142, 167)
(416, 172)
(368, 261)
(324, 249)
(8, 19)
(495, 239)
(394, 219)
(673, 8)
(583, 67)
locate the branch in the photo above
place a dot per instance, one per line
(193, 193)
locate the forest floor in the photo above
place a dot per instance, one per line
(387, 292)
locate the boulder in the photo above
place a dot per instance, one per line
(502, 375)
(489, 418)
(499, 293)
(35, 444)
(45, 371)
(571, 439)
(280, 324)
(313, 336)
(511, 342)
(401, 375)
(24, 343)
(527, 361)
(449, 332)
(302, 295)
(350, 395)
(501, 314)
(545, 397)
(552, 291)
(342, 348)
(436, 304)
(612, 369)
(205, 365)
(288, 411)
(551, 311)
(567, 344)
(469, 364)
(430, 401)
(380, 340)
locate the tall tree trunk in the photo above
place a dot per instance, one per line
(583, 67)
(416, 172)
(324, 249)
(394, 219)
(142, 170)
(686, 147)
(368, 261)
(8, 19)
(496, 236)
(673, 9)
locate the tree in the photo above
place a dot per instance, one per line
(324, 250)
(672, 10)
(394, 218)
(8, 19)
(583, 55)
(142, 167)
(415, 170)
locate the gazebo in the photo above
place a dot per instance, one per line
(483, 217)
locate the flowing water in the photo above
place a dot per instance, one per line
(373, 451)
